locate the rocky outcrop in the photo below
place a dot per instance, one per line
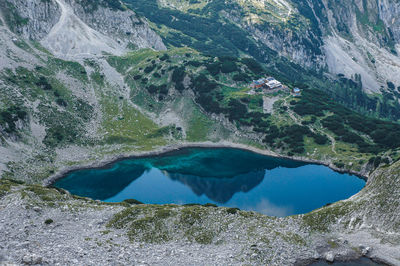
(389, 12)
(301, 45)
(361, 39)
(299, 48)
(32, 19)
(69, 28)
(122, 25)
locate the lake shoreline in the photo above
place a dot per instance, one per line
(176, 147)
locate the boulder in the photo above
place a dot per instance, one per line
(330, 257)
(32, 259)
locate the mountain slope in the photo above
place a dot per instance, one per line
(101, 104)
(299, 40)
(362, 36)
(74, 28)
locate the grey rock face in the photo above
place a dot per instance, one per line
(66, 28)
(286, 42)
(389, 12)
(123, 26)
(39, 16)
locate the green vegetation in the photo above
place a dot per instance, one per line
(232, 210)
(198, 86)
(174, 67)
(202, 27)
(5, 187)
(321, 220)
(122, 123)
(199, 127)
(92, 5)
(206, 34)
(133, 201)
(347, 125)
(13, 19)
(48, 221)
(10, 116)
(306, 125)
(58, 108)
(152, 223)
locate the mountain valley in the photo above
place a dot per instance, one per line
(84, 83)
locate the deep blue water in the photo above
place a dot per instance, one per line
(226, 177)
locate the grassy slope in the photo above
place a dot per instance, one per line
(344, 154)
(119, 127)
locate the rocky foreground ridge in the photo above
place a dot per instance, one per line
(48, 226)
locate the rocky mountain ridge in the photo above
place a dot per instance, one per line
(68, 28)
(347, 38)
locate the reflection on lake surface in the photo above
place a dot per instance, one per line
(226, 177)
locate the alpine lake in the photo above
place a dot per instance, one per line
(222, 176)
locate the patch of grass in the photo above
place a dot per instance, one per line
(191, 215)
(5, 187)
(73, 69)
(152, 223)
(163, 213)
(133, 201)
(199, 126)
(48, 195)
(204, 238)
(321, 219)
(97, 78)
(292, 238)
(121, 219)
(122, 122)
(105, 232)
(232, 210)
(333, 244)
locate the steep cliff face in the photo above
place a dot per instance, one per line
(120, 24)
(30, 18)
(345, 38)
(281, 29)
(359, 37)
(389, 12)
(76, 28)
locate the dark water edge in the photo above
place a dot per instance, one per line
(224, 176)
(178, 148)
(359, 262)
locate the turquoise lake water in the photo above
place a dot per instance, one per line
(226, 177)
